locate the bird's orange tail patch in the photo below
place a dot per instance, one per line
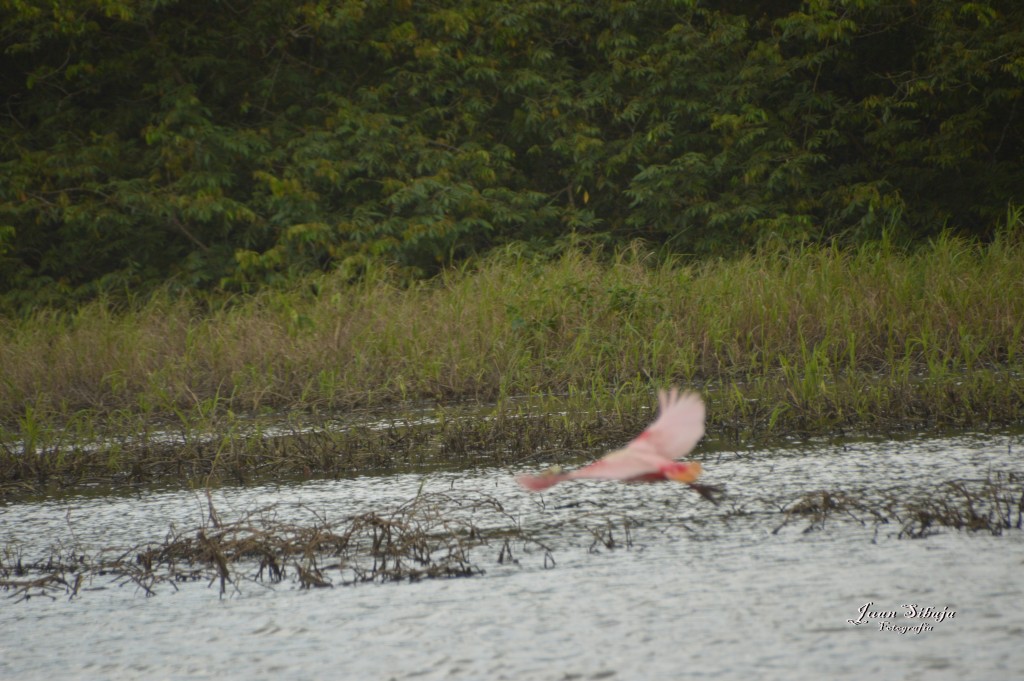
(684, 472)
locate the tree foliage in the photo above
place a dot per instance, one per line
(215, 143)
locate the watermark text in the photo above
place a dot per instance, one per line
(923, 618)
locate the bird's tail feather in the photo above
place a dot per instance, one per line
(537, 483)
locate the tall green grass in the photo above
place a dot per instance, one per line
(814, 338)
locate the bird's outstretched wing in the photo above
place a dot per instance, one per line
(679, 426)
(677, 429)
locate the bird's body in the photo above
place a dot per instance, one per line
(650, 456)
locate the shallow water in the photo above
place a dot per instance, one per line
(693, 591)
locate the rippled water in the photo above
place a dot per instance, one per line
(697, 591)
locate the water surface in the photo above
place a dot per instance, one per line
(692, 591)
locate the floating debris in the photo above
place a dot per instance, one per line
(993, 504)
(440, 535)
(432, 536)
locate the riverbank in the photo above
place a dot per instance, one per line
(540, 354)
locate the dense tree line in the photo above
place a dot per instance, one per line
(216, 143)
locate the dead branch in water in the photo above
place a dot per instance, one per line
(432, 536)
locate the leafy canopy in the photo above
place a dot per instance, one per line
(212, 143)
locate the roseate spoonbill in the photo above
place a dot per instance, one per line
(651, 455)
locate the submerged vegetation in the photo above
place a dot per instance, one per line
(456, 534)
(993, 504)
(430, 536)
(545, 354)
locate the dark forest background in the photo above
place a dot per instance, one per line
(205, 144)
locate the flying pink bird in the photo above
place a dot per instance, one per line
(651, 455)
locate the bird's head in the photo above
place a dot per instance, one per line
(683, 472)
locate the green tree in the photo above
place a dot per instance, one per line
(146, 141)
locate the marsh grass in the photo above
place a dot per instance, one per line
(812, 340)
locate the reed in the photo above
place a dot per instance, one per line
(813, 339)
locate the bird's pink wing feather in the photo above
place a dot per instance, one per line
(679, 426)
(635, 460)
